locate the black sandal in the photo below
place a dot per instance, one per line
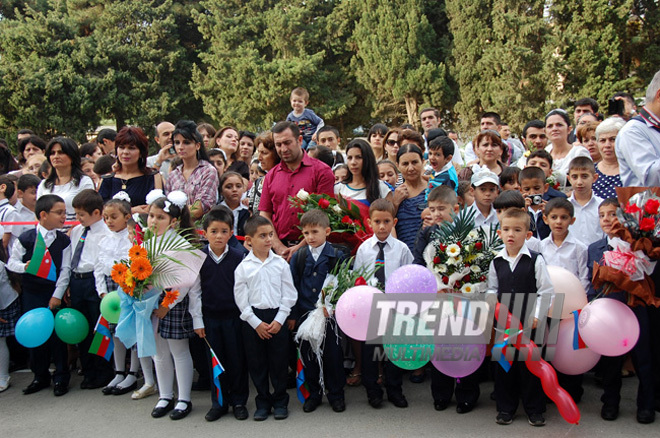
(108, 389)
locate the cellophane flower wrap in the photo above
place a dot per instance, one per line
(460, 254)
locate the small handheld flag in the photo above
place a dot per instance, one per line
(302, 390)
(41, 263)
(578, 343)
(218, 369)
(102, 343)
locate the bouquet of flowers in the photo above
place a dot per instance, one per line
(636, 249)
(346, 218)
(460, 255)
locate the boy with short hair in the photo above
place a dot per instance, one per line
(221, 316)
(310, 266)
(306, 119)
(85, 249)
(485, 188)
(514, 199)
(38, 291)
(522, 273)
(533, 186)
(441, 152)
(443, 203)
(582, 174)
(265, 294)
(561, 247)
(7, 210)
(27, 199)
(387, 254)
(542, 158)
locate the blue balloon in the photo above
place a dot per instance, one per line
(35, 327)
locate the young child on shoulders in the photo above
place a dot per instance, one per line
(232, 189)
(561, 247)
(310, 266)
(85, 250)
(306, 119)
(38, 291)
(265, 294)
(485, 188)
(386, 253)
(514, 199)
(582, 174)
(222, 323)
(522, 273)
(441, 152)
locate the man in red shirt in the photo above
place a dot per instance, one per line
(296, 171)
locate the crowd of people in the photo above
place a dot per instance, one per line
(551, 193)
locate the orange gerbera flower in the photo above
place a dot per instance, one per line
(127, 289)
(141, 268)
(136, 252)
(118, 273)
(170, 297)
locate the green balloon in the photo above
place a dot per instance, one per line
(410, 356)
(71, 326)
(110, 307)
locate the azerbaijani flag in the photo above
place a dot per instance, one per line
(578, 343)
(504, 363)
(102, 343)
(302, 390)
(41, 263)
(218, 369)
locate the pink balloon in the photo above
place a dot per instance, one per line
(568, 284)
(411, 279)
(608, 327)
(353, 311)
(566, 359)
(458, 360)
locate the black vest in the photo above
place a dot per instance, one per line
(217, 282)
(521, 283)
(32, 283)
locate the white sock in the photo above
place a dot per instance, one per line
(128, 381)
(147, 370)
(162, 403)
(181, 406)
(116, 381)
(4, 359)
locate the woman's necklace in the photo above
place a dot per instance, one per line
(123, 183)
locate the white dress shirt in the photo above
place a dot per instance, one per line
(543, 283)
(316, 252)
(16, 264)
(586, 228)
(396, 252)
(638, 151)
(7, 214)
(560, 165)
(23, 214)
(67, 192)
(218, 258)
(480, 219)
(115, 247)
(264, 285)
(92, 248)
(570, 255)
(235, 212)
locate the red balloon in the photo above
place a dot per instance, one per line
(544, 371)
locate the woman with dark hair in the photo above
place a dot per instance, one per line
(227, 140)
(246, 146)
(66, 178)
(375, 137)
(409, 196)
(557, 127)
(30, 146)
(491, 150)
(391, 143)
(195, 176)
(207, 131)
(268, 158)
(131, 173)
(91, 151)
(362, 182)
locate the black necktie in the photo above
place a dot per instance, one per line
(380, 263)
(78, 251)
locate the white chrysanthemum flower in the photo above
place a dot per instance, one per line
(473, 234)
(467, 288)
(337, 209)
(475, 268)
(442, 268)
(302, 195)
(453, 250)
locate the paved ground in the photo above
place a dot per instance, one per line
(83, 413)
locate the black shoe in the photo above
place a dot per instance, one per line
(464, 408)
(504, 418)
(60, 389)
(118, 390)
(261, 414)
(609, 412)
(376, 401)
(338, 405)
(96, 383)
(86, 384)
(280, 413)
(536, 420)
(178, 414)
(240, 412)
(311, 404)
(201, 386)
(645, 416)
(398, 400)
(441, 405)
(35, 386)
(161, 412)
(214, 414)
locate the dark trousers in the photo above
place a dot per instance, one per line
(643, 363)
(393, 374)
(54, 348)
(198, 352)
(225, 338)
(466, 389)
(334, 377)
(267, 359)
(85, 299)
(518, 383)
(654, 333)
(572, 385)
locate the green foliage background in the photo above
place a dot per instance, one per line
(65, 65)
